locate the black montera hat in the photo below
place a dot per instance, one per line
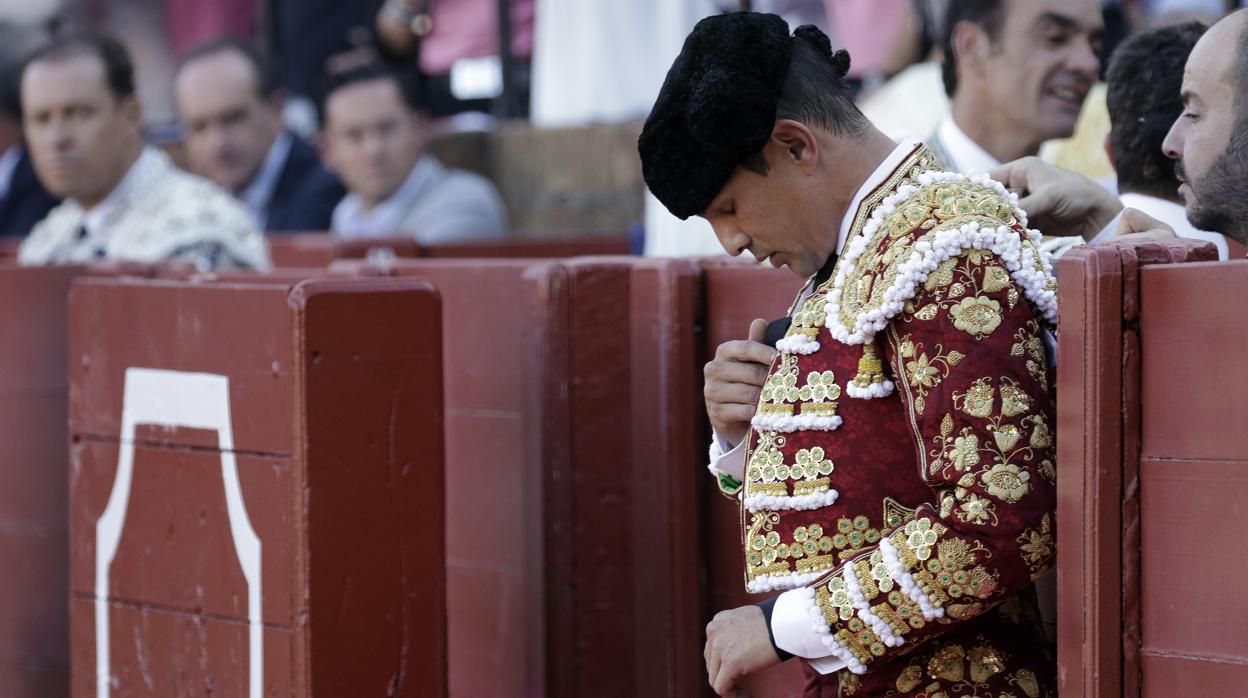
(717, 105)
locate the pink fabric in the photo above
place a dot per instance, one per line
(868, 29)
(193, 21)
(469, 29)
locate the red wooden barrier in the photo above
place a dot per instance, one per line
(573, 550)
(255, 491)
(1193, 479)
(319, 249)
(34, 621)
(1099, 506)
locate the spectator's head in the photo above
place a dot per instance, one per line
(82, 118)
(1020, 69)
(1209, 140)
(757, 131)
(1144, 81)
(16, 44)
(374, 132)
(231, 109)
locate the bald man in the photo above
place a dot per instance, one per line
(231, 107)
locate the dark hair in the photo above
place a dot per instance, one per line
(815, 91)
(267, 79)
(1144, 80)
(988, 14)
(118, 70)
(369, 72)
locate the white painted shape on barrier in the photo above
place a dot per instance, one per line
(189, 400)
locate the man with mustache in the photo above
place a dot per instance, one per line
(124, 201)
(1208, 141)
(1016, 72)
(892, 454)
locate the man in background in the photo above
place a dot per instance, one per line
(375, 139)
(23, 200)
(1017, 73)
(124, 201)
(1144, 81)
(231, 106)
(1208, 142)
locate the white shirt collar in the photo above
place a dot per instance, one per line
(259, 192)
(8, 165)
(1174, 215)
(351, 221)
(872, 182)
(97, 219)
(968, 156)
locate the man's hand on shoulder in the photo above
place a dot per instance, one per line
(1057, 201)
(733, 381)
(737, 645)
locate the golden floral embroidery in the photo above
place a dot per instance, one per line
(781, 394)
(924, 373)
(977, 316)
(1041, 437)
(947, 663)
(1036, 546)
(978, 510)
(1014, 400)
(811, 548)
(1027, 343)
(820, 387)
(954, 671)
(1027, 682)
(978, 400)
(1006, 481)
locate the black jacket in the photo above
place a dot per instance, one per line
(306, 193)
(26, 202)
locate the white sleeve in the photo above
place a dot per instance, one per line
(726, 458)
(791, 628)
(1107, 233)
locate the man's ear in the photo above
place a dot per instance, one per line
(970, 46)
(132, 111)
(793, 142)
(1109, 151)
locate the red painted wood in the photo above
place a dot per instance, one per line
(336, 403)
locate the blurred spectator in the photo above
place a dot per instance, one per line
(454, 45)
(375, 139)
(23, 200)
(124, 201)
(1017, 73)
(1145, 78)
(307, 37)
(231, 107)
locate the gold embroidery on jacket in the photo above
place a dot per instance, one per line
(1027, 343)
(924, 373)
(1037, 547)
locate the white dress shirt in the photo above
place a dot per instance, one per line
(790, 626)
(963, 154)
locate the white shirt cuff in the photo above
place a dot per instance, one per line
(790, 626)
(726, 458)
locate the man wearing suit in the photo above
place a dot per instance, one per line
(231, 107)
(23, 200)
